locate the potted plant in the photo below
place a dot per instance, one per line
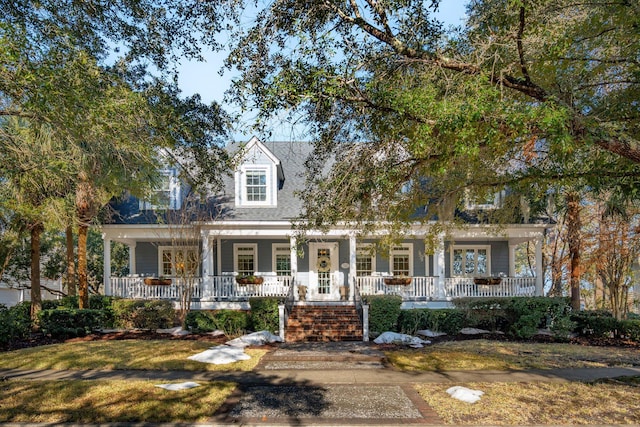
(397, 281)
(249, 280)
(481, 280)
(155, 281)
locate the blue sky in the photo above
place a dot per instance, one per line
(203, 77)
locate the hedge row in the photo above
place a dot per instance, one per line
(263, 316)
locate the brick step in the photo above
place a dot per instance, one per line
(324, 324)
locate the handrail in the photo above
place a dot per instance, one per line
(357, 301)
(289, 299)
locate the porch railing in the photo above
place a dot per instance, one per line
(211, 288)
(426, 288)
(419, 288)
(220, 288)
(461, 287)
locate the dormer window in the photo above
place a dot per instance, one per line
(168, 194)
(489, 201)
(258, 177)
(256, 185)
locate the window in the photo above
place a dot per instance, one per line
(281, 259)
(245, 258)
(402, 260)
(256, 185)
(176, 261)
(167, 195)
(365, 260)
(470, 261)
(488, 201)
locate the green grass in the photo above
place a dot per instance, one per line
(83, 401)
(539, 403)
(162, 355)
(495, 355)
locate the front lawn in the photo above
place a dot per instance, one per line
(163, 355)
(497, 355)
(84, 401)
(603, 403)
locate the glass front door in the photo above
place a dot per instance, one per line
(324, 272)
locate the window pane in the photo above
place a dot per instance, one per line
(470, 261)
(245, 264)
(482, 261)
(256, 186)
(283, 264)
(364, 265)
(457, 262)
(400, 265)
(167, 263)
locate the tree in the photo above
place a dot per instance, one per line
(523, 88)
(32, 187)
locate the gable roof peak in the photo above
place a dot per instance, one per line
(254, 142)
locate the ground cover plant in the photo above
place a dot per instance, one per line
(161, 355)
(603, 403)
(490, 354)
(84, 401)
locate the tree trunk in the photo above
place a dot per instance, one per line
(573, 236)
(36, 297)
(83, 282)
(71, 264)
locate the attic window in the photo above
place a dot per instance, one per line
(486, 202)
(256, 185)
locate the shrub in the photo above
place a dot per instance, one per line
(15, 323)
(384, 311)
(199, 321)
(631, 329)
(527, 314)
(485, 313)
(70, 322)
(449, 321)
(596, 323)
(231, 322)
(157, 314)
(520, 317)
(264, 314)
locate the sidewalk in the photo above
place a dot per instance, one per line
(327, 384)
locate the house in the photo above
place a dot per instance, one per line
(251, 234)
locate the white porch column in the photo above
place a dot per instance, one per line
(352, 265)
(512, 260)
(539, 271)
(294, 259)
(439, 268)
(219, 256)
(132, 258)
(106, 272)
(207, 256)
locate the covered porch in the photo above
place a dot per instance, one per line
(332, 267)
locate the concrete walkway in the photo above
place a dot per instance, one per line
(327, 384)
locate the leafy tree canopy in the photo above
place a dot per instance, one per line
(527, 94)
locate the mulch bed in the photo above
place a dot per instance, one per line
(38, 339)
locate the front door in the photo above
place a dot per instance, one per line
(324, 272)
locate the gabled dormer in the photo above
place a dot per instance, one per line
(258, 176)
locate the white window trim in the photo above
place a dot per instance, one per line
(366, 248)
(271, 190)
(470, 205)
(276, 248)
(467, 247)
(174, 249)
(406, 247)
(236, 250)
